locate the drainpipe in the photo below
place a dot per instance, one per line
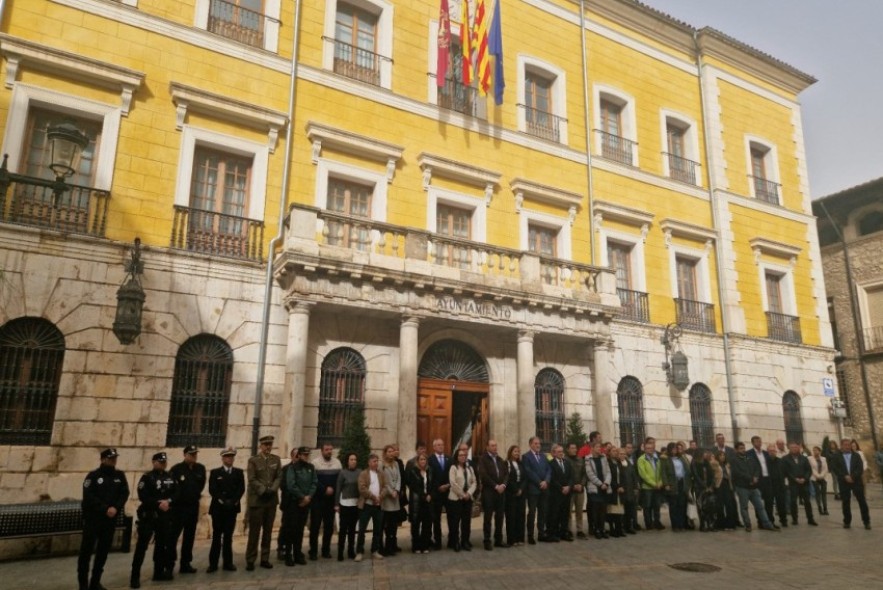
(718, 246)
(857, 326)
(585, 65)
(268, 280)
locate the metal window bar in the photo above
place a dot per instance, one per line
(681, 168)
(78, 210)
(31, 358)
(630, 399)
(843, 395)
(549, 400)
(200, 393)
(785, 328)
(456, 96)
(635, 305)
(873, 339)
(217, 234)
(616, 148)
(235, 22)
(695, 315)
(542, 124)
(765, 190)
(793, 419)
(357, 63)
(341, 394)
(701, 417)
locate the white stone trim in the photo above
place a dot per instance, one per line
(673, 227)
(629, 117)
(637, 270)
(764, 207)
(786, 283)
(193, 136)
(770, 164)
(272, 10)
(133, 3)
(862, 288)
(563, 237)
(773, 248)
(22, 52)
(384, 12)
(558, 90)
(326, 169)
(191, 98)
(360, 145)
(800, 154)
(691, 140)
(25, 95)
(437, 195)
(542, 193)
(714, 129)
(703, 277)
(622, 214)
(818, 284)
(752, 87)
(439, 166)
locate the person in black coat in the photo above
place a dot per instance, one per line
(157, 492)
(516, 497)
(493, 473)
(226, 486)
(420, 485)
(105, 492)
(560, 486)
(847, 466)
(439, 464)
(190, 478)
(798, 471)
(777, 484)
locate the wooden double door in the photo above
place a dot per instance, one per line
(454, 411)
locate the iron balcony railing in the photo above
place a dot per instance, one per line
(765, 190)
(873, 339)
(695, 315)
(616, 148)
(218, 234)
(40, 203)
(229, 20)
(635, 305)
(542, 124)
(785, 328)
(357, 63)
(681, 168)
(456, 96)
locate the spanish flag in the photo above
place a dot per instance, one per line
(483, 59)
(466, 44)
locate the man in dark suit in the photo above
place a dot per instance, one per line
(560, 488)
(189, 476)
(493, 473)
(226, 486)
(539, 474)
(440, 465)
(759, 456)
(720, 445)
(848, 468)
(799, 473)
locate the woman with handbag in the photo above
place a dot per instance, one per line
(419, 479)
(460, 497)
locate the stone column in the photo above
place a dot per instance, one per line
(294, 398)
(408, 361)
(526, 392)
(601, 389)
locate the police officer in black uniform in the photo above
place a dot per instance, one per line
(157, 492)
(189, 476)
(105, 492)
(226, 485)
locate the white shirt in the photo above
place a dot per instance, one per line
(760, 457)
(374, 485)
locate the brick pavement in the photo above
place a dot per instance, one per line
(798, 557)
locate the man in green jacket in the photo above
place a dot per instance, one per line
(650, 474)
(300, 485)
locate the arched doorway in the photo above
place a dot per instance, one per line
(452, 396)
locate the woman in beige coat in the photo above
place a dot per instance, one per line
(372, 490)
(463, 485)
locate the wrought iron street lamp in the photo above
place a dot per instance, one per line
(676, 363)
(130, 299)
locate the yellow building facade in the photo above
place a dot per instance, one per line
(327, 227)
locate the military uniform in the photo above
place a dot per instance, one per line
(264, 479)
(155, 487)
(226, 486)
(300, 483)
(190, 480)
(103, 489)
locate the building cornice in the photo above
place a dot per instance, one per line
(534, 191)
(454, 170)
(322, 135)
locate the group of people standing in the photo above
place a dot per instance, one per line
(532, 496)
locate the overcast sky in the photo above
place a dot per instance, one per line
(839, 42)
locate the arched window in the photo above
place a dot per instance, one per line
(341, 391)
(871, 223)
(31, 357)
(201, 393)
(549, 388)
(793, 420)
(630, 398)
(701, 417)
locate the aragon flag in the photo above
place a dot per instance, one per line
(480, 38)
(466, 44)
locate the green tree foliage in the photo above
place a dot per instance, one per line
(575, 432)
(356, 439)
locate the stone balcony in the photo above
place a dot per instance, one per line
(452, 271)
